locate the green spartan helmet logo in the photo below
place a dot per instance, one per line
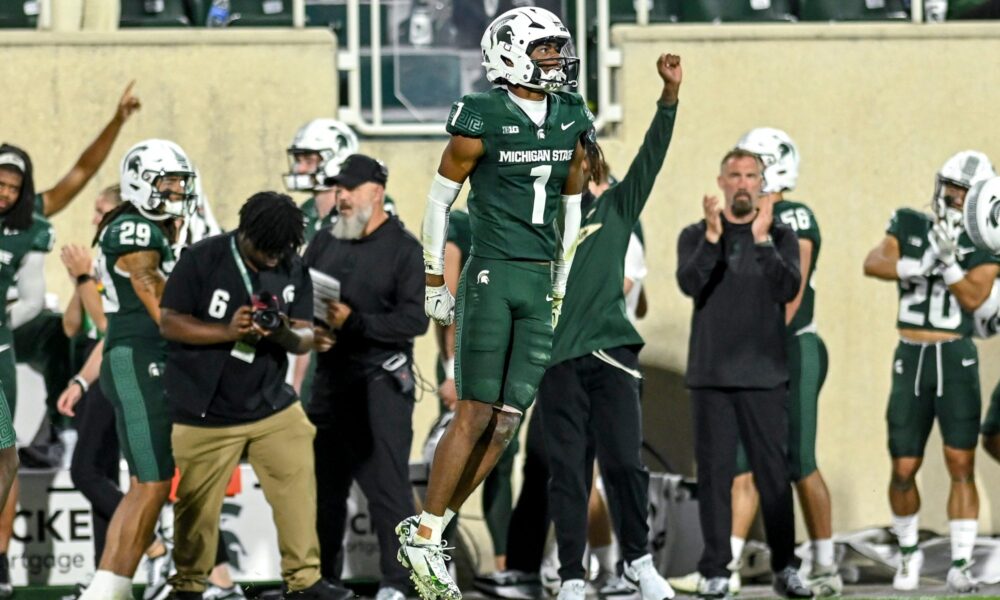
(994, 218)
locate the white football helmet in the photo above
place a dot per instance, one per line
(986, 318)
(779, 154)
(141, 169)
(981, 214)
(509, 41)
(332, 140)
(963, 170)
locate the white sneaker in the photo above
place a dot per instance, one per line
(688, 584)
(214, 592)
(573, 589)
(908, 571)
(549, 575)
(825, 582)
(960, 580)
(406, 527)
(157, 575)
(389, 593)
(616, 587)
(428, 570)
(642, 574)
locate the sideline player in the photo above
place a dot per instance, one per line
(942, 279)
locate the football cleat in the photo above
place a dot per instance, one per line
(825, 582)
(960, 580)
(788, 584)
(908, 570)
(428, 570)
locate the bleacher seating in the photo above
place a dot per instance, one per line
(334, 16)
(694, 11)
(260, 13)
(852, 10)
(19, 14)
(162, 13)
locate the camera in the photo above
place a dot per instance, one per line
(265, 311)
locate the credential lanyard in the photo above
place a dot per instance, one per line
(240, 266)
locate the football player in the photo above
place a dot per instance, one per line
(316, 153)
(157, 186)
(27, 236)
(942, 278)
(520, 145)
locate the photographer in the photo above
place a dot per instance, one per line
(362, 402)
(233, 308)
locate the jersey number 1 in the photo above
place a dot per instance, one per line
(541, 173)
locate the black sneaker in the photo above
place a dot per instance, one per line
(321, 590)
(788, 584)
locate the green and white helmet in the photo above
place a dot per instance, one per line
(333, 140)
(142, 168)
(778, 153)
(509, 41)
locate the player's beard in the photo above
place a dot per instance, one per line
(742, 204)
(352, 227)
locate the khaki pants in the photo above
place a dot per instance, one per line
(280, 449)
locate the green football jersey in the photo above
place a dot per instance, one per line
(801, 219)
(128, 318)
(593, 313)
(518, 181)
(926, 302)
(15, 244)
(460, 233)
(40, 205)
(313, 223)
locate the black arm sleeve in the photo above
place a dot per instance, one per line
(407, 319)
(635, 187)
(780, 263)
(696, 259)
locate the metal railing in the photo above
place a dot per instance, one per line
(371, 120)
(349, 61)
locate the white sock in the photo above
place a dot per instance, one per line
(736, 545)
(963, 538)
(432, 522)
(823, 552)
(448, 516)
(106, 585)
(607, 557)
(906, 529)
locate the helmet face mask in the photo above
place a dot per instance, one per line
(778, 153)
(145, 170)
(510, 41)
(332, 141)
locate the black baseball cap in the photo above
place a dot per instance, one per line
(357, 169)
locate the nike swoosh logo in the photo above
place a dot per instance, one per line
(548, 298)
(968, 362)
(4, 347)
(566, 126)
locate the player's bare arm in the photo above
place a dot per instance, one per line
(881, 260)
(457, 162)
(57, 198)
(805, 262)
(973, 289)
(669, 68)
(143, 268)
(188, 329)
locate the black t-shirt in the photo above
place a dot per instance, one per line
(207, 385)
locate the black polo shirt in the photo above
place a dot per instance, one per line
(206, 385)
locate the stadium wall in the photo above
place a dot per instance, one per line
(875, 110)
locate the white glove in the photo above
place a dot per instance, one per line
(557, 300)
(944, 243)
(439, 304)
(909, 268)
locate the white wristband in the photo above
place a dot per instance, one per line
(907, 267)
(79, 380)
(953, 274)
(449, 367)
